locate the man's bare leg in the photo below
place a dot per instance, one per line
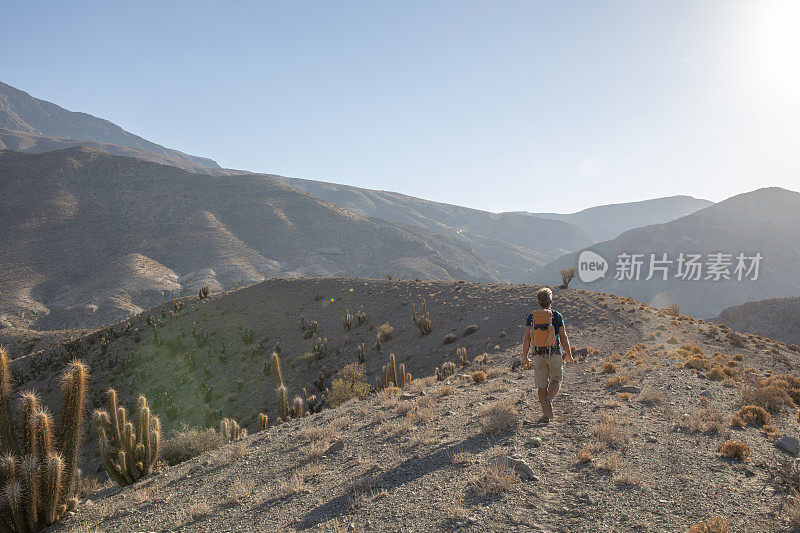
(547, 402)
(547, 412)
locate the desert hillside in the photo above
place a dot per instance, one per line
(635, 444)
(778, 318)
(32, 125)
(515, 243)
(765, 222)
(605, 222)
(93, 238)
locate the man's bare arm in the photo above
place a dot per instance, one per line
(526, 345)
(562, 333)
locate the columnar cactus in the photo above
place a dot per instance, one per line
(263, 422)
(360, 352)
(320, 347)
(283, 394)
(298, 407)
(128, 450)
(231, 431)
(423, 320)
(361, 316)
(347, 320)
(461, 353)
(36, 482)
(448, 369)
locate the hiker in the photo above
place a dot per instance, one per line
(545, 334)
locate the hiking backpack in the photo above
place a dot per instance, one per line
(542, 331)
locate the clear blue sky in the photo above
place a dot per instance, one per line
(538, 106)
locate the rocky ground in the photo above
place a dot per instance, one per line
(633, 449)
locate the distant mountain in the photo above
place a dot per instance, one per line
(90, 238)
(766, 222)
(778, 318)
(514, 243)
(606, 222)
(31, 125)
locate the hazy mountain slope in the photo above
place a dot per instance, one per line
(89, 238)
(606, 222)
(777, 318)
(766, 221)
(48, 126)
(514, 242)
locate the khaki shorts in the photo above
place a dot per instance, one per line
(547, 369)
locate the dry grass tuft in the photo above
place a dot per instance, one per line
(498, 417)
(585, 455)
(617, 381)
(773, 393)
(447, 391)
(735, 449)
(199, 510)
(651, 396)
(493, 480)
(751, 415)
(189, 443)
(608, 368)
(478, 376)
(716, 524)
(608, 431)
(708, 420)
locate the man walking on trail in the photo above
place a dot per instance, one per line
(545, 334)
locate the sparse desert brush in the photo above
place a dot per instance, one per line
(625, 396)
(447, 391)
(616, 356)
(674, 310)
(608, 368)
(751, 414)
(661, 327)
(672, 340)
(585, 455)
(498, 417)
(735, 449)
(188, 443)
(773, 394)
(478, 376)
(651, 396)
(715, 524)
(617, 381)
(493, 480)
(608, 431)
(385, 332)
(707, 420)
(771, 431)
(351, 382)
(696, 363)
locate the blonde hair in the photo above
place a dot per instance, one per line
(545, 297)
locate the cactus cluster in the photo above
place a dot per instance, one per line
(39, 471)
(448, 369)
(263, 422)
(461, 353)
(347, 320)
(394, 377)
(128, 449)
(280, 390)
(361, 316)
(309, 328)
(423, 320)
(298, 407)
(319, 347)
(204, 292)
(314, 404)
(230, 430)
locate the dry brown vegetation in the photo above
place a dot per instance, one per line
(735, 449)
(498, 417)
